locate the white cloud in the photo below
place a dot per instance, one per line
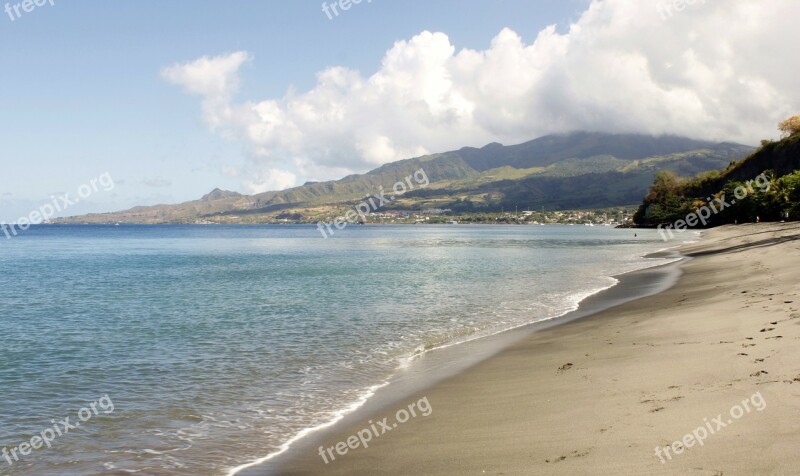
(269, 179)
(715, 70)
(215, 79)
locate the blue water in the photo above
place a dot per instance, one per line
(218, 344)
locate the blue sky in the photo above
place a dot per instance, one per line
(82, 94)
(83, 90)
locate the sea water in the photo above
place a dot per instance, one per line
(219, 344)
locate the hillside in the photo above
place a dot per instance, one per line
(578, 170)
(775, 165)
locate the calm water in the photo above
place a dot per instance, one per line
(216, 345)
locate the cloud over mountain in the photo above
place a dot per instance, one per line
(713, 70)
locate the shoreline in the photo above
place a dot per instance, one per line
(598, 394)
(438, 364)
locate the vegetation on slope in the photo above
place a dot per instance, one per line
(581, 170)
(671, 198)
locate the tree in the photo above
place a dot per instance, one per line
(665, 184)
(790, 126)
(665, 202)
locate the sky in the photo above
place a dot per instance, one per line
(173, 99)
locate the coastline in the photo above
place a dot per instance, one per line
(599, 394)
(438, 364)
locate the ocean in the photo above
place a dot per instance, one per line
(217, 345)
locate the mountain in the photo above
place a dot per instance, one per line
(218, 194)
(577, 170)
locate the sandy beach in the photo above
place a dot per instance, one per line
(712, 363)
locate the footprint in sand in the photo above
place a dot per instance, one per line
(574, 454)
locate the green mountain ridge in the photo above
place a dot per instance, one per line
(577, 170)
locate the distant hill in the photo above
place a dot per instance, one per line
(578, 170)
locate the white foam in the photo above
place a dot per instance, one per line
(307, 431)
